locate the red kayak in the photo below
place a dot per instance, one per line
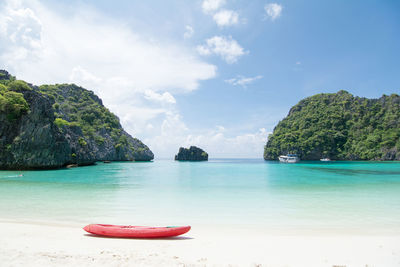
(135, 231)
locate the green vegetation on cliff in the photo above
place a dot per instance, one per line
(51, 126)
(77, 106)
(12, 104)
(339, 126)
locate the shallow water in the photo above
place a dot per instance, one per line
(331, 196)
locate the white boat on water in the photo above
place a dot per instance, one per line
(325, 159)
(289, 158)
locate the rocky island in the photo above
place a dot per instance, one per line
(51, 126)
(339, 126)
(191, 154)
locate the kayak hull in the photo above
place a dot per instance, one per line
(135, 231)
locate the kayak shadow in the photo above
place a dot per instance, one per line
(140, 238)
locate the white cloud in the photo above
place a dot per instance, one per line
(273, 10)
(243, 81)
(189, 32)
(166, 97)
(223, 17)
(210, 6)
(80, 74)
(86, 40)
(225, 47)
(226, 18)
(20, 34)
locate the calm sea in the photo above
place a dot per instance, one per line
(332, 196)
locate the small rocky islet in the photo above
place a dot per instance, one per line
(52, 126)
(191, 154)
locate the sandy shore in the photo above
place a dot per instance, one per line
(28, 244)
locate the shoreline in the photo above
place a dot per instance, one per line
(63, 245)
(231, 160)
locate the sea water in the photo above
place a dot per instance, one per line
(326, 196)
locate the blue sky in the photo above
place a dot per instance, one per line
(214, 73)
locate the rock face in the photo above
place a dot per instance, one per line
(191, 154)
(61, 129)
(33, 141)
(339, 126)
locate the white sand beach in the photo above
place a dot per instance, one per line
(39, 244)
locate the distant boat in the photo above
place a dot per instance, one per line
(289, 158)
(325, 159)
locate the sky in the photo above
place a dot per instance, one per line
(218, 74)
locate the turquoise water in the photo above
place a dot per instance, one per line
(333, 196)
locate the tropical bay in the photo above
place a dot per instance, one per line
(199, 133)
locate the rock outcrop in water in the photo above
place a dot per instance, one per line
(52, 126)
(191, 154)
(339, 126)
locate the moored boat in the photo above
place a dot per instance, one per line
(289, 158)
(325, 159)
(135, 231)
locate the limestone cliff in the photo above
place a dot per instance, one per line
(52, 126)
(339, 126)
